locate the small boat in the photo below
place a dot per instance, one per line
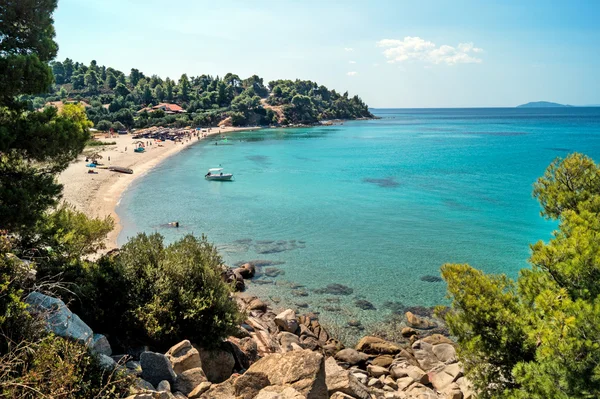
(139, 149)
(217, 174)
(121, 169)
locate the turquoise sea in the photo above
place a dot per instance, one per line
(373, 205)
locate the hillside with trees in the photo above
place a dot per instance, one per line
(118, 100)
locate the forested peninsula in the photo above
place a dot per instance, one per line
(115, 100)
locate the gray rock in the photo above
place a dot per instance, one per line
(144, 385)
(423, 352)
(59, 319)
(100, 345)
(343, 381)
(106, 362)
(156, 367)
(377, 371)
(164, 386)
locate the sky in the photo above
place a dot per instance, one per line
(393, 54)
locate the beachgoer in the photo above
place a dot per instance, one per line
(108, 159)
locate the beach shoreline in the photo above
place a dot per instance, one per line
(98, 195)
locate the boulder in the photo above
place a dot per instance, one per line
(100, 345)
(340, 395)
(377, 346)
(287, 340)
(164, 386)
(248, 385)
(421, 392)
(265, 343)
(455, 370)
(445, 353)
(375, 383)
(156, 367)
(423, 352)
(257, 304)
(189, 379)
(286, 321)
(436, 339)
(440, 379)
(59, 319)
(339, 380)
(224, 390)
(383, 361)
(217, 364)
(143, 385)
(303, 370)
(199, 390)
(107, 362)
(183, 356)
(279, 392)
(401, 370)
(418, 322)
(403, 383)
(408, 332)
(351, 356)
(377, 371)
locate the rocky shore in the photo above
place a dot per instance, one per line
(283, 355)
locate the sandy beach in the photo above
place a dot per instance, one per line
(97, 195)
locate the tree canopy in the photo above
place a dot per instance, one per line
(537, 337)
(206, 99)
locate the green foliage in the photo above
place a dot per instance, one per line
(152, 293)
(54, 367)
(537, 338)
(103, 125)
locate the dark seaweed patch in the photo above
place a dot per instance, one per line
(335, 289)
(431, 279)
(388, 182)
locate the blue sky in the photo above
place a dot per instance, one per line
(458, 53)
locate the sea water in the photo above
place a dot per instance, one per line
(376, 206)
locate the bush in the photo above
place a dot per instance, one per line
(104, 125)
(57, 368)
(152, 294)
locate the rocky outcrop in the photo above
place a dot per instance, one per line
(304, 370)
(156, 367)
(183, 356)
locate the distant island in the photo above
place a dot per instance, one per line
(542, 104)
(119, 101)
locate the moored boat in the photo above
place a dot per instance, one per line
(218, 175)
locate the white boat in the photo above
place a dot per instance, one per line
(217, 174)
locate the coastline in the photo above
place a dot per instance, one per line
(97, 195)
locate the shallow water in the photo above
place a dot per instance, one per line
(372, 205)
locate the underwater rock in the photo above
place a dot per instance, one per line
(260, 262)
(422, 311)
(335, 289)
(364, 304)
(395, 307)
(299, 292)
(301, 305)
(431, 279)
(273, 272)
(388, 182)
(332, 308)
(355, 324)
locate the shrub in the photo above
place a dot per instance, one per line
(54, 367)
(94, 143)
(157, 294)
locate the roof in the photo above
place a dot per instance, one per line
(169, 107)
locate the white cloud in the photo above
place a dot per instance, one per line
(348, 49)
(352, 62)
(415, 48)
(353, 73)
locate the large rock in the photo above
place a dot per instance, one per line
(343, 381)
(188, 380)
(418, 322)
(199, 390)
(303, 370)
(217, 364)
(265, 342)
(423, 352)
(288, 341)
(445, 353)
(279, 392)
(383, 361)
(59, 319)
(377, 346)
(286, 321)
(401, 370)
(248, 385)
(100, 345)
(351, 356)
(184, 356)
(224, 390)
(156, 367)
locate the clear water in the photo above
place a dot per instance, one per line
(373, 205)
